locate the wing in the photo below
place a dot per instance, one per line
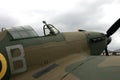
(77, 67)
(96, 68)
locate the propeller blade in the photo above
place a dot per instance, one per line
(113, 28)
(109, 40)
(106, 51)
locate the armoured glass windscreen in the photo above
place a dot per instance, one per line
(22, 32)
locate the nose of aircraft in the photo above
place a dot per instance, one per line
(100, 41)
(96, 42)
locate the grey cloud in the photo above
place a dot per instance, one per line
(6, 20)
(86, 16)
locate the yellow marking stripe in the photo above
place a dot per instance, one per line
(4, 66)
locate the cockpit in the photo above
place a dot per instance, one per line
(32, 31)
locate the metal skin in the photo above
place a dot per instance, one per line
(62, 56)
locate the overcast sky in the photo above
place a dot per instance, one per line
(66, 15)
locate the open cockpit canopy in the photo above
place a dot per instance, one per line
(32, 31)
(22, 32)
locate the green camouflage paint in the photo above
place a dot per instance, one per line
(89, 69)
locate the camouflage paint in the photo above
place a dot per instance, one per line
(41, 51)
(89, 69)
